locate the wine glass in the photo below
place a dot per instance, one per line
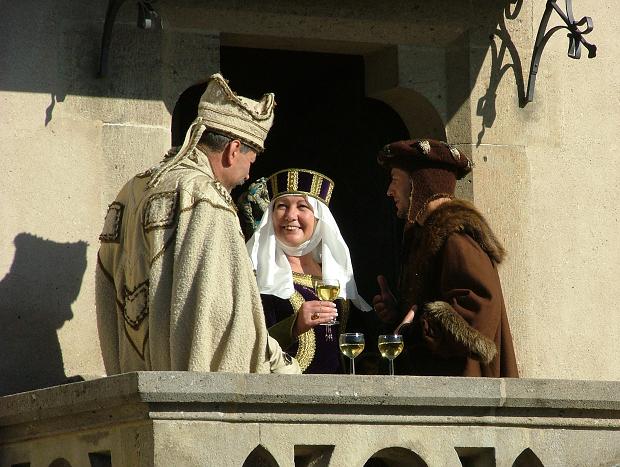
(327, 289)
(390, 346)
(352, 344)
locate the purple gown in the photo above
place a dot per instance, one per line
(314, 350)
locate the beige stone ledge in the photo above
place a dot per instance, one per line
(168, 393)
(183, 418)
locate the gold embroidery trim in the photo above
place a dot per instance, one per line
(292, 180)
(292, 184)
(328, 196)
(315, 187)
(223, 192)
(306, 280)
(307, 341)
(302, 170)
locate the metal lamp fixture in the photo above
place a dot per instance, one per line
(148, 18)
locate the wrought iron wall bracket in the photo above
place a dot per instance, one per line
(575, 39)
(148, 18)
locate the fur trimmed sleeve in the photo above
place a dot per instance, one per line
(448, 334)
(470, 311)
(470, 284)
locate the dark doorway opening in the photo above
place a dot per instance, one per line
(324, 121)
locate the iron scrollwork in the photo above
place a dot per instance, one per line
(575, 38)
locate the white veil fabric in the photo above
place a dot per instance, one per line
(273, 271)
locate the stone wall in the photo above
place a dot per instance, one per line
(572, 229)
(545, 174)
(70, 141)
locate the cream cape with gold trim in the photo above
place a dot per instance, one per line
(175, 286)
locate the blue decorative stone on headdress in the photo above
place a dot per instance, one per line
(300, 182)
(251, 205)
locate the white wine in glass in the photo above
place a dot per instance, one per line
(327, 290)
(390, 346)
(351, 344)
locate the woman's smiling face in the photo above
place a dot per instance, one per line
(293, 220)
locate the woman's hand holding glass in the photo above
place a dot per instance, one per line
(312, 313)
(327, 289)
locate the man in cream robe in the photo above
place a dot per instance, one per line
(175, 286)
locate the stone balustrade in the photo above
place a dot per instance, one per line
(202, 419)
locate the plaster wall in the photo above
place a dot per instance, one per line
(69, 142)
(546, 177)
(545, 173)
(574, 139)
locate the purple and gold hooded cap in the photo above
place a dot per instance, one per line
(300, 182)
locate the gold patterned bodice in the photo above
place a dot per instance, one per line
(307, 341)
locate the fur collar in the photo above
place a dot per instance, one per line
(461, 216)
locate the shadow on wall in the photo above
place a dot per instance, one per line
(35, 301)
(486, 107)
(142, 63)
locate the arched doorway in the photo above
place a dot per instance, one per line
(325, 122)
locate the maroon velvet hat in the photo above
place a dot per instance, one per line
(416, 154)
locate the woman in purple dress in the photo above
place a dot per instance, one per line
(296, 245)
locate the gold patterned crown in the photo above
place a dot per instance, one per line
(300, 182)
(235, 116)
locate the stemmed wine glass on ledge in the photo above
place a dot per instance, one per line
(390, 346)
(351, 344)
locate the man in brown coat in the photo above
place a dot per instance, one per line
(450, 302)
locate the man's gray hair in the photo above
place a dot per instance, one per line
(217, 142)
(214, 142)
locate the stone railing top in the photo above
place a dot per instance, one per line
(400, 395)
(169, 407)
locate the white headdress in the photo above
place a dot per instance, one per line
(273, 271)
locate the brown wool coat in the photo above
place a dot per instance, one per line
(450, 273)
